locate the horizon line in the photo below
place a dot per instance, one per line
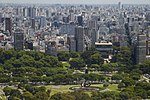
(80, 3)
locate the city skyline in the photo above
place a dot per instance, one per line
(78, 1)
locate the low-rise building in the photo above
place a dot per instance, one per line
(105, 48)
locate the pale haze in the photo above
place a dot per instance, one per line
(78, 1)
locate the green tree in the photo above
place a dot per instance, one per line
(36, 79)
(124, 95)
(7, 54)
(42, 89)
(79, 95)
(123, 56)
(141, 92)
(135, 76)
(128, 81)
(108, 95)
(74, 55)
(95, 66)
(14, 94)
(77, 63)
(27, 96)
(58, 78)
(63, 56)
(116, 77)
(40, 96)
(63, 96)
(145, 67)
(127, 93)
(30, 88)
(27, 60)
(96, 59)
(121, 85)
(86, 55)
(48, 92)
(107, 67)
(7, 90)
(91, 77)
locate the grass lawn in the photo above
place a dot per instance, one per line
(65, 88)
(3, 97)
(59, 88)
(113, 87)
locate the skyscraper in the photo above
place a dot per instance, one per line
(80, 20)
(0, 17)
(42, 21)
(18, 39)
(33, 23)
(94, 36)
(87, 38)
(92, 24)
(25, 12)
(79, 37)
(119, 5)
(8, 24)
(72, 43)
(141, 48)
(31, 12)
(147, 16)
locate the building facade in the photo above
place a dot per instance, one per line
(19, 39)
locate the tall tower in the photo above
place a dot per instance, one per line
(80, 20)
(87, 38)
(94, 36)
(33, 23)
(119, 5)
(147, 16)
(79, 37)
(31, 12)
(141, 48)
(8, 24)
(72, 43)
(18, 39)
(0, 17)
(25, 12)
(42, 21)
(92, 24)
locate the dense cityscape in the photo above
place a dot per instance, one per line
(74, 52)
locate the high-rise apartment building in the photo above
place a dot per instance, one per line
(42, 21)
(31, 12)
(0, 17)
(147, 16)
(8, 24)
(141, 48)
(80, 20)
(94, 36)
(72, 43)
(119, 5)
(79, 37)
(92, 24)
(18, 39)
(33, 23)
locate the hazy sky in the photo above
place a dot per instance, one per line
(78, 1)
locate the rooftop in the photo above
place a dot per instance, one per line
(103, 43)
